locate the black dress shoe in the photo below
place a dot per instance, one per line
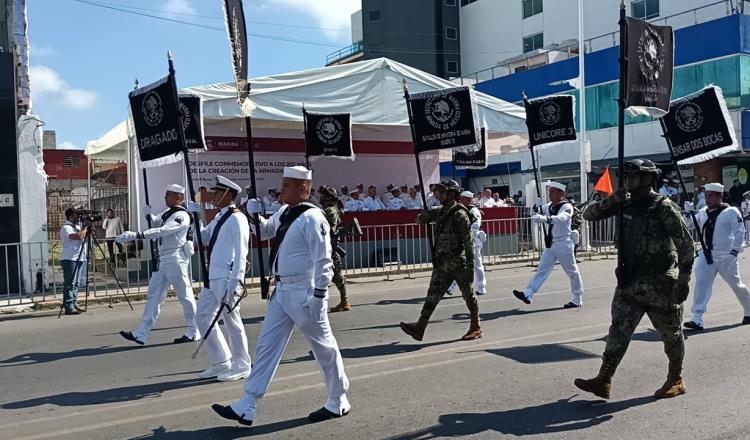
(77, 307)
(693, 326)
(129, 336)
(571, 305)
(323, 414)
(183, 339)
(228, 413)
(72, 312)
(745, 320)
(521, 296)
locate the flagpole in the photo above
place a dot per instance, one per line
(148, 217)
(186, 162)
(585, 147)
(304, 133)
(707, 255)
(621, 134)
(264, 286)
(419, 167)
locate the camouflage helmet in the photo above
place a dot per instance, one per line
(329, 190)
(450, 185)
(644, 166)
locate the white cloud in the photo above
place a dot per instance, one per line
(46, 82)
(331, 14)
(41, 51)
(67, 145)
(176, 7)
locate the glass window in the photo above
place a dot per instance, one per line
(532, 7)
(451, 33)
(373, 16)
(644, 9)
(452, 66)
(450, 2)
(466, 2)
(533, 42)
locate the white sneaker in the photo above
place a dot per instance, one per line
(231, 375)
(215, 370)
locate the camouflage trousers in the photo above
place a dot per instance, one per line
(628, 308)
(338, 278)
(439, 284)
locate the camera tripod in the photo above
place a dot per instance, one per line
(87, 247)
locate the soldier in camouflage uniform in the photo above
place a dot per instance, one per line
(453, 259)
(652, 278)
(329, 201)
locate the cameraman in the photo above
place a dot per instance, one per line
(73, 260)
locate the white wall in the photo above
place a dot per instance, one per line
(357, 26)
(493, 30)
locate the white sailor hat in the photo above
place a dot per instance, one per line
(176, 188)
(297, 172)
(468, 194)
(746, 193)
(556, 185)
(714, 187)
(222, 182)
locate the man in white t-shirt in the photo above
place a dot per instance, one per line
(414, 201)
(372, 202)
(73, 260)
(354, 204)
(487, 201)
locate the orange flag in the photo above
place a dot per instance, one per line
(604, 184)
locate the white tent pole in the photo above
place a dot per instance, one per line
(585, 154)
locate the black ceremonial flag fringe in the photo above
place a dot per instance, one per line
(468, 159)
(235, 22)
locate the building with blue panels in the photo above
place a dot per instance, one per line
(715, 51)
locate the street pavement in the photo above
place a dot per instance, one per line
(76, 378)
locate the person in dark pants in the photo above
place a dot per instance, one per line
(112, 228)
(72, 260)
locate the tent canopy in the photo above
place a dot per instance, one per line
(370, 90)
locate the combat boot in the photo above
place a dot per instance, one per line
(674, 386)
(601, 385)
(415, 330)
(475, 330)
(343, 306)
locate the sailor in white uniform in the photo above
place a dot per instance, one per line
(172, 231)
(396, 203)
(227, 236)
(479, 236)
(723, 234)
(354, 204)
(302, 266)
(559, 243)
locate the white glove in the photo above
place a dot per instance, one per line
(193, 207)
(147, 210)
(254, 206)
(538, 219)
(318, 306)
(126, 237)
(689, 207)
(231, 289)
(539, 202)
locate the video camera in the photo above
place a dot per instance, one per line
(89, 216)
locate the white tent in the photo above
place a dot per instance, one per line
(370, 90)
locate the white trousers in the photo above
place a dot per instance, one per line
(705, 274)
(216, 345)
(562, 252)
(293, 305)
(174, 271)
(480, 281)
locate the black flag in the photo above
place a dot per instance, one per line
(191, 108)
(156, 119)
(550, 120)
(471, 158)
(235, 21)
(444, 118)
(328, 134)
(650, 55)
(698, 127)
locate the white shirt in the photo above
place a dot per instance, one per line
(486, 203)
(372, 204)
(385, 198)
(395, 204)
(306, 247)
(414, 203)
(229, 253)
(432, 202)
(353, 205)
(729, 232)
(404, 196)
(344, 198)
(561, 222)
(268, 201)
(275, 206)
(477, 225)
(745, 207)
(172, 234)
(500, 203)
(112, 227)
(71, 249)
(701, 201)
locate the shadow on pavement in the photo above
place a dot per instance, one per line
(689, 334)
(542, 354)
(45, 357)
(560, 416)
(386, 326)
(123, 394)
(502, 313)
(225, 432)
(375, 351)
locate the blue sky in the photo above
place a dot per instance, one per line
(84, 58)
